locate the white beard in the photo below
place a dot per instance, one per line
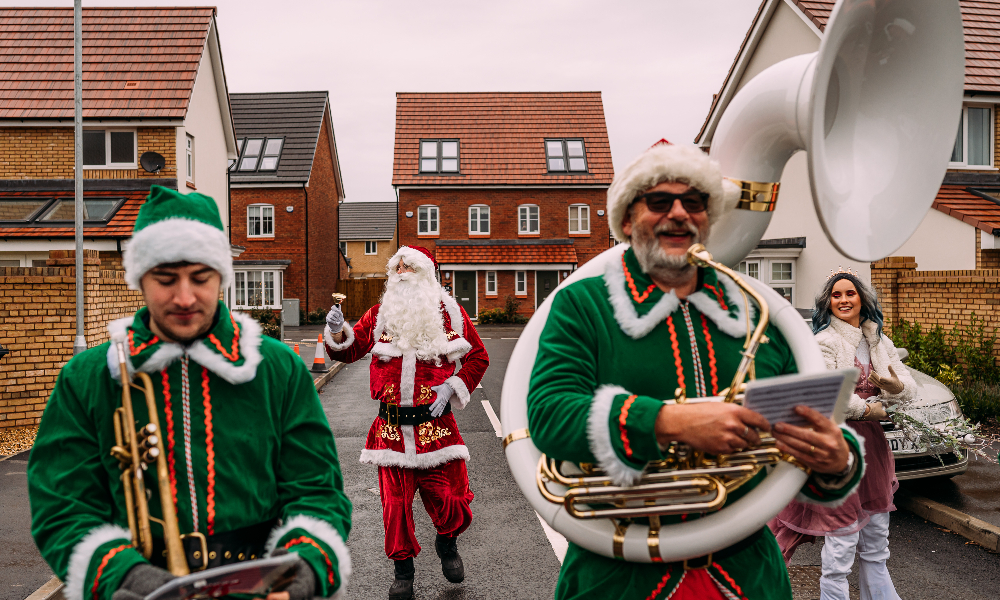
(411, 314)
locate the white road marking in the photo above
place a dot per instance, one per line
(493, 417)
(479, 387)
(508, 338)
(559, 543)
(482, 338)
(375, 491)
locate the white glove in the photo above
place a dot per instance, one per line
(335, 319)
(444, 393)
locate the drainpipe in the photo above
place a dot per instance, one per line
(305, 191)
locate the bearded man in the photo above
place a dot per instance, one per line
(416, 336)
(615, 347)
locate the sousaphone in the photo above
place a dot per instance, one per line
(875, 110)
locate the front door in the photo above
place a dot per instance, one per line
(465, 291)
(545, 282)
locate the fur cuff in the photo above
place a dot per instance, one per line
(859, 462)
(462, 395)
(457, 348)
(427, 460)
(348, 332)
(599, 436)
(83, 553)
(322, 531)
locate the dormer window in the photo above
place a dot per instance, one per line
(60, 212)
(439, 157)
(566, 156)
(974, 142)
(250, 154)
(259, 154)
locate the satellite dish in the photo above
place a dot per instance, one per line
(152, 162)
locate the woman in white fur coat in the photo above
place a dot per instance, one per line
(848, 321)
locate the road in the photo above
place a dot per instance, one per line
(506, 550)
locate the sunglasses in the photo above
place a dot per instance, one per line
(662, 202)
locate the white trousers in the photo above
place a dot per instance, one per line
(872, 546)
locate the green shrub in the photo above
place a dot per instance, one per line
(974, 347)
(268, 321)
(501, 316)
(963, 355)
(980, 401)
(928, 351)
(492, 316)
(315, 317)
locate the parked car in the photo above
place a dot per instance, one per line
(934, 404)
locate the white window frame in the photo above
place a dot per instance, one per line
(538, 219)
(371, 245)
(520, 283)
(107, 149)
(964, 163)
(581, 209)
(241, 276)
(189, 157)
(436, 220)
(781, 283)
(475, 219)
(491, 284)
(262, 208)
(744, 267)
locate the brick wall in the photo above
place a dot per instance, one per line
(324, 231)
(38, 326)
(289, 233)
(47, 153)
(945, 298)
(986, 259)
(363, 264)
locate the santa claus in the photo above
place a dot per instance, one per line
(426, 359)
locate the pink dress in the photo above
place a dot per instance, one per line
(799, 522)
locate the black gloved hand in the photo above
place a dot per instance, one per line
(140, 581)
(303, 587)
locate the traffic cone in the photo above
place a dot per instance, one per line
(319, 362)
(297, 350)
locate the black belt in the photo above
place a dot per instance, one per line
(395, 414)
(246, 543)
(703, 562)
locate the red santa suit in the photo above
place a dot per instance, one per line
(428, 456)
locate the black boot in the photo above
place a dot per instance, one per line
(402, 587)
(451, 562)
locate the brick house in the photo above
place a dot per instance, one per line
(367, 237)
(795, 257)
(153, 81)
(286, 187)
(507, 189)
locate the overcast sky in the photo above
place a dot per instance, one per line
(656, 62)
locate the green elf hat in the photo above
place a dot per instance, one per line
(174, 227)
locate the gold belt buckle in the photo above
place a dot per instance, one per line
(392, 415)
(199, 554)
(708, 562)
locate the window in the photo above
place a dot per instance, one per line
(783, 278)
(527, 219)
(271, 152)
(565, 155)
(439, 156)
(521, 283)
(250, 154)
(974, 142)
(750, 267)
(371, 248)
(260, 220)
(427, 220)
(781, 271)
(190, 157)
(256, 289)
(479, 220)
(239, 147)
(109, 148)
(579, 218)
(45, 211)
(343, 248)
(491, 283)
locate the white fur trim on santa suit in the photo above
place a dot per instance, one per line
(83, 554)
(348, 332)
(177, 240)
(325, 533)
(801, 497)
(708, 305)
(454, 312)
(669, 162)
(628, 318)
(599, 436)
(462, 396)
(410, 459)
(415, 258)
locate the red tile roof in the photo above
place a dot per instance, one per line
(159, 48)
(501, 136)
(957, 201)
(507, 254)
(120, 226)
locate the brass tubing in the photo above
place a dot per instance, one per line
(142, 535)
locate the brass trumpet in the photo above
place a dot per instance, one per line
(687, 481)
(135, 450)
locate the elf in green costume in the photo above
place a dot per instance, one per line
(251, 457)
(614, 347)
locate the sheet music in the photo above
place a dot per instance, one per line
(776, 397)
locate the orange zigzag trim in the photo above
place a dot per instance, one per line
(169, 412)
(100, 570)
(729, 579)
(659, 588)
(210, 449)
(718, 295)
(307, 540)
(622, 418)
(234, 355)
(131, 343)
(677, 352)
(711, 356)
(632, 288)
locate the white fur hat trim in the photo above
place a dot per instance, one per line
(177, 240)
(415, 258)
(669, 162)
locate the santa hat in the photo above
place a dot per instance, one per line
(420, 259)
(174, 227)
(669, 162)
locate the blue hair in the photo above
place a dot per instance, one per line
(871, 310)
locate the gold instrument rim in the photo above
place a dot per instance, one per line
(513, 436)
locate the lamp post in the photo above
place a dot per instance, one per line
(80, 343)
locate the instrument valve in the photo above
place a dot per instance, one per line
(149, 442)
(150, 456)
